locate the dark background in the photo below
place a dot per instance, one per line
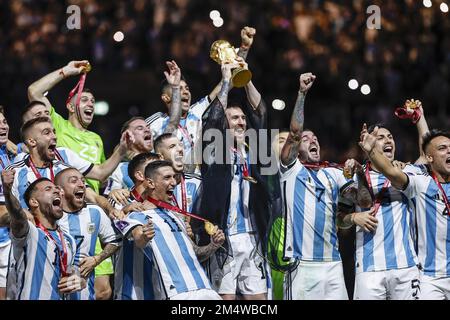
(408, 57)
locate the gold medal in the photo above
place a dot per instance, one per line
(411, 104)
(210, 228)
(87, 68)
(250, 179)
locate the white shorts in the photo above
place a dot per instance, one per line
(4, 257)
(395, 284)
(201, 294)
(316, 281)
(244, 272)
(434, 288)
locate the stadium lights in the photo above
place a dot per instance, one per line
(365, 89)
(101, 108)
(353, 84)
(427, 3)
(118, 36)
(218, 22)
(443, 7)
(214, 15)
(278, 104)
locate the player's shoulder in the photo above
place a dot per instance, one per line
(93, 207)
(192, 176)
(17, 165)
(154, 118)
(416, 169)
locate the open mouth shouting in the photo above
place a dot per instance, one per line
(52, 150)
(89, 112)
(388, 150)
(79, 194)
(3, 135)
(56, 203)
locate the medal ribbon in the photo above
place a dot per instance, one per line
(185, 133)
(62, 255)
(380, 194)
(136, 195)
(165, 205)
(36, 172)
(447, 204)
(402, 113)
(79, 86)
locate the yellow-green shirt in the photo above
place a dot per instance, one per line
(87, 144)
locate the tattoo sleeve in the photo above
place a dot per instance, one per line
(363, 195)
(175, 110)
(223, 93)
(292, 146)
(18, 216)
(108, 251)
(204, 252)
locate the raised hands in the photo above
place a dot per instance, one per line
(7, 180)
(306, 81)
(74, 68)
(247, 34)
(367, 140)
(174, 75)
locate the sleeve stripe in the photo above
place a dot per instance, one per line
(154, 117)
(86, 172)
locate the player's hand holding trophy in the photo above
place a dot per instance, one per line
(223, 52)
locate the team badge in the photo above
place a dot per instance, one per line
(91, 228)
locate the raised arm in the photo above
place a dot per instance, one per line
(37, 89)
(173, 78)
(19, 223)
(102, 171)
(367, 142)
(422, 129)
(247, 34)
(291, 147)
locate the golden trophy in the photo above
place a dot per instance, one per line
(223, 52)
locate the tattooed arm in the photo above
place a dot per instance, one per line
(18, 216)
(226, 79)
(204, 252)
(292, 145)
(88, 264)
(173, 78)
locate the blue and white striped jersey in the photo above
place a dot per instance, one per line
(119, 179)
(36, 264)
(175, 262)
(192, 125)
(5, 160)
(391, 246)
(310, 198)
(85, 226)
(238, 220)
(25, 176)
(192, 183)
(134, 273)
(433, 224)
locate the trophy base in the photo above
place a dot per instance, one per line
(240, 77)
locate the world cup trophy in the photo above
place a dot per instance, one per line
(223, 52)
